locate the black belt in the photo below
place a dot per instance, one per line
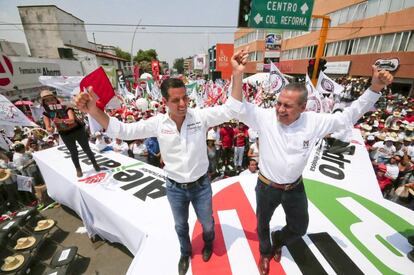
(188, 185)
(286, 187)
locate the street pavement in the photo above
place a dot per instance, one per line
(100, 258)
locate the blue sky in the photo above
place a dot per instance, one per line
(170, 43)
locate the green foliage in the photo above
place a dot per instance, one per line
(147, 55)
(122, 54)
(144, 58)
(179, 65)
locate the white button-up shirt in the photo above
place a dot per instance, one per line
(184, 152)
(284, 150)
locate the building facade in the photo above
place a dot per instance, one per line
(48, 29)
(360, 33)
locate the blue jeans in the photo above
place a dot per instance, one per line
(295, 205)
(200, 197)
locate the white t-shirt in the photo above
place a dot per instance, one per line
(255, 151)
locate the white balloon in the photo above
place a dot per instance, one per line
(142, 104)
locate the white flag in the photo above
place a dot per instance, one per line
(11, 115)
(314, 97)
(24, 183)
(65, 84)
(327, 85)
(276, 79)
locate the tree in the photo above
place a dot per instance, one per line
(122, 54)
(147, 55)
(144, 58)
(179, 65)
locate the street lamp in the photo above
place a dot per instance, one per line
(133, 37)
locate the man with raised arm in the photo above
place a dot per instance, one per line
(287, 135)
(181, 134)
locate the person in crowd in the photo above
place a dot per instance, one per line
(154, 154)
(120, 146)
(251, 168)
(100, 143)
(70, 129)
(383, 181)
(211, 154)
(139, 150)
(385, 150)
(287, 135)
(215, 133)
(240, 141)
(181, 135)
(393, 169)
(226, 138)
(253, 152)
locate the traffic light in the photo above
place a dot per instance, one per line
(322, 65)
(245, 7)
(311, 66)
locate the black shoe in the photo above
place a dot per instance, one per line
(411, 240)
(410, 255)
(207, 252)
(79, 173)
(96, 167)
(183, 265)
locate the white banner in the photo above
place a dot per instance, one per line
(10, 115)
(366, 233)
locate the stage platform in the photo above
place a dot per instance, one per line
(352, 229)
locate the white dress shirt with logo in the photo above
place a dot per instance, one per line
(184, 152)
(284, 150)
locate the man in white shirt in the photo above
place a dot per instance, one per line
(181, 134)
(287, 135)
(120, 146)
(100, 143)
(385, 150)
(251, 168)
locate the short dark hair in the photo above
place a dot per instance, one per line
(170, 83)
(298, 87)
(250, 160)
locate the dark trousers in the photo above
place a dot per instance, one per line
(81, 137)
(295, 205)
(227, 153)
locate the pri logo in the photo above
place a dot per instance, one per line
(6, 70)
(103, 176)
(327, 85)
(277, 82)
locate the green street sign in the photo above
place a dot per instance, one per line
(290, 14)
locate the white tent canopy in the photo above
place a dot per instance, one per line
(260, 77)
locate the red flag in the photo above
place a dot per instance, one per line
(101, 86)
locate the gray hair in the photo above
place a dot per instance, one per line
(300, 88)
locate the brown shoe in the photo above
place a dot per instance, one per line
(79, 172)
(264, 265)
(276, 249)
(277, 254)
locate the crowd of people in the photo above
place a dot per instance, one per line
(232, 147)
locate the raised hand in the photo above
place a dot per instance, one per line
(86, 102)
(239, 60)
(380, 79)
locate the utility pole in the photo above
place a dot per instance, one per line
(321, 45)
(94, 41)
(132, 41)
